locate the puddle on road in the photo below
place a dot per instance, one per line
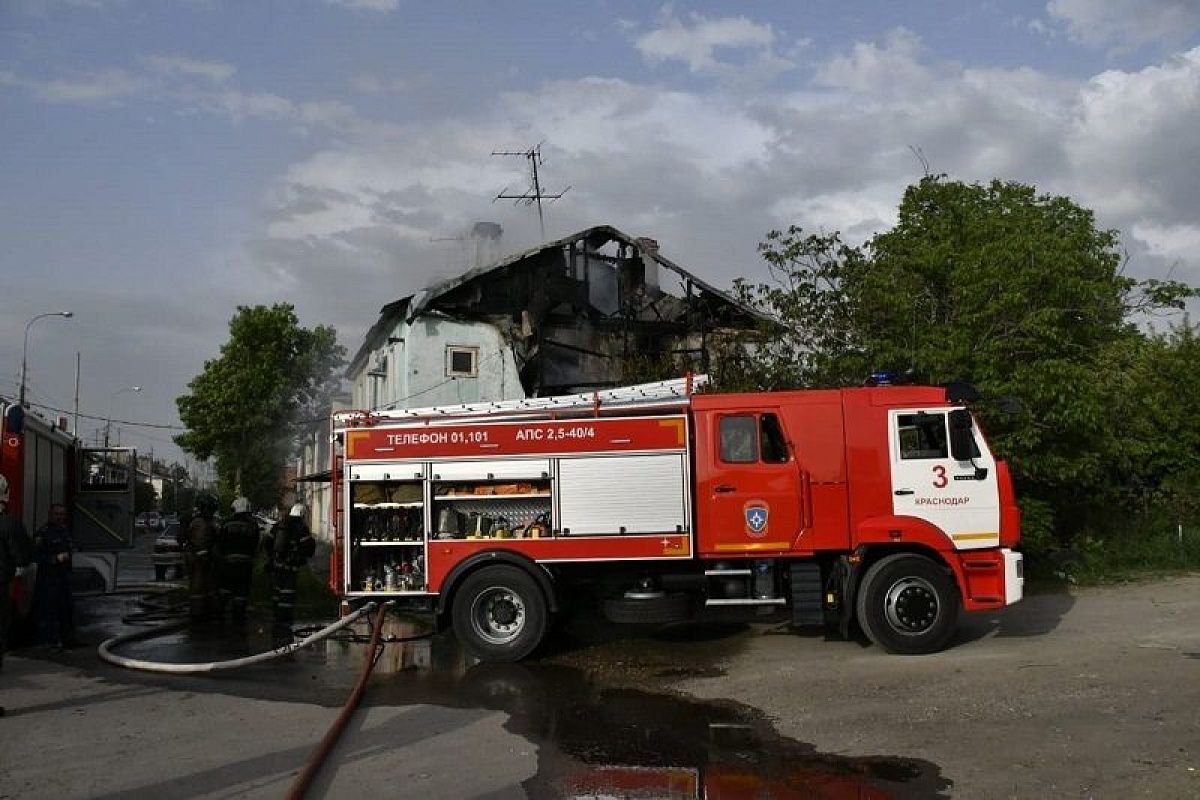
(597, 736)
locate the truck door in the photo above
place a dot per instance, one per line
(749, 489)
(958, 496)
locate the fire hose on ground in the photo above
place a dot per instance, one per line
(106, 648)
(304, 780)
(317, 759)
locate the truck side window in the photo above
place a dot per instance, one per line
(739, 445)
(774, 445)
(922, 436)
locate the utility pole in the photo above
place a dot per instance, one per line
(75, 425)
(534, 193)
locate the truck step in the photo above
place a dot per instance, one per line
(807, 601)
(746, 601)
(727, 572)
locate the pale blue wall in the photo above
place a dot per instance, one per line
(416, 367)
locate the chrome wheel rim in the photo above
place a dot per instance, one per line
(498, 615)
(911, 606)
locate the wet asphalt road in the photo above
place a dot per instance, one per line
(1012, 710)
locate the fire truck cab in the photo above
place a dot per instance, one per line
(880, 506)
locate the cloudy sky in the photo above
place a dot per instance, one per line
(166, 160)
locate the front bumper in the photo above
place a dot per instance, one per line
(1014, 576)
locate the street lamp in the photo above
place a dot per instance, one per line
(25, 348)
(111, 400)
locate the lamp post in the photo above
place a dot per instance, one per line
(111, 400)
(25, 347)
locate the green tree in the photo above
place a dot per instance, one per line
(1018, 292)
(1166, 445)
(246, 407)
(813, 293)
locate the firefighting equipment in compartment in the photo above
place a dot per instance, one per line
(451, 524)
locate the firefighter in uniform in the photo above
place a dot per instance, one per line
(237, 542)
(200, 537)
(289, 546)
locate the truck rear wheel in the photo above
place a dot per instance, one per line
(908, 604)
(499, 613)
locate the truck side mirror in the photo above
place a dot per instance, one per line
(962, 442)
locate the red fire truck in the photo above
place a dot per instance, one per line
(44, 464)
(882, 506)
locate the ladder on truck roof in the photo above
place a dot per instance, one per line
(675, 392)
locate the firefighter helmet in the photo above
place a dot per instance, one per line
(241, 505)
(297, 510)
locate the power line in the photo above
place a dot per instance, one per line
(111, 419)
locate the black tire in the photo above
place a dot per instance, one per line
(499, 613)
(908, 604)
(649, 611)
(160, 573)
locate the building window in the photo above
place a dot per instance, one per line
(462, 362)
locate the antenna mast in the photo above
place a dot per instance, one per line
(534, 193)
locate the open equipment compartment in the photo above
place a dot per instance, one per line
(386, 532)
(496, 499)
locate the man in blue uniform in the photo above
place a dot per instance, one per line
(52, 597)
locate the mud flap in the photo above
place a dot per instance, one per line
(806, 594)
(843, 585)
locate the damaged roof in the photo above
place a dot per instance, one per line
(413, 306)
(426, 296)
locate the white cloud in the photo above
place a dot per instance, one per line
(858, 211)
(107, 85)
(366, 83)
(384, 6)
(215, 71)
(1132, 143)
(708, 171)
(721, 47)
(1173, 242)
(871, 68)
(1127, 24)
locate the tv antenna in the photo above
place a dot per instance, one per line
(534, 193)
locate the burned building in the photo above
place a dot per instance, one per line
(594, 309)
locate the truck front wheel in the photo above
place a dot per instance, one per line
(908, 604)
(499, 613)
